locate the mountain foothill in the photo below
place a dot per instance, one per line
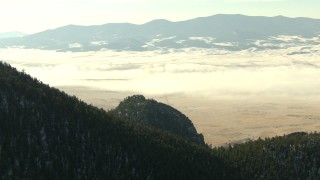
(48, 134)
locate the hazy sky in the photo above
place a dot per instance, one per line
(31, 16)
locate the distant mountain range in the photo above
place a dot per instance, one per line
(231, 32)
(11, 35)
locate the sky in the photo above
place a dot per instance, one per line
(31, 16)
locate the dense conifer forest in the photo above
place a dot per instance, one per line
(294, 156)
(137, 109)
(47, 134)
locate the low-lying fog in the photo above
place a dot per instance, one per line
(229, 95)
(213, 74)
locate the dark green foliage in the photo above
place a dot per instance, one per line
(139, 110)
(46, 134)
(295, 156)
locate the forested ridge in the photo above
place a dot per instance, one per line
(293, 156)
(47, 134)
(148, 112)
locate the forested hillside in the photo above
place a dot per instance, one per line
(47, 134)
(139, 110)
(294, 156)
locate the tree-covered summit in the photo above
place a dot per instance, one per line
(148, 112)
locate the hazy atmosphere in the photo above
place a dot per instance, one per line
(230, 96)
(37, 15)
(159, 89)
(236, 76)
(216, 74)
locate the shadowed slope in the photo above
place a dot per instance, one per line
(139, 110)
(46, 134)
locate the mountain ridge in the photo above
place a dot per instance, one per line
(47, 134)
(243, 31)
(12, 34)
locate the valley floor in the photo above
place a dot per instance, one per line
(226, 120)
